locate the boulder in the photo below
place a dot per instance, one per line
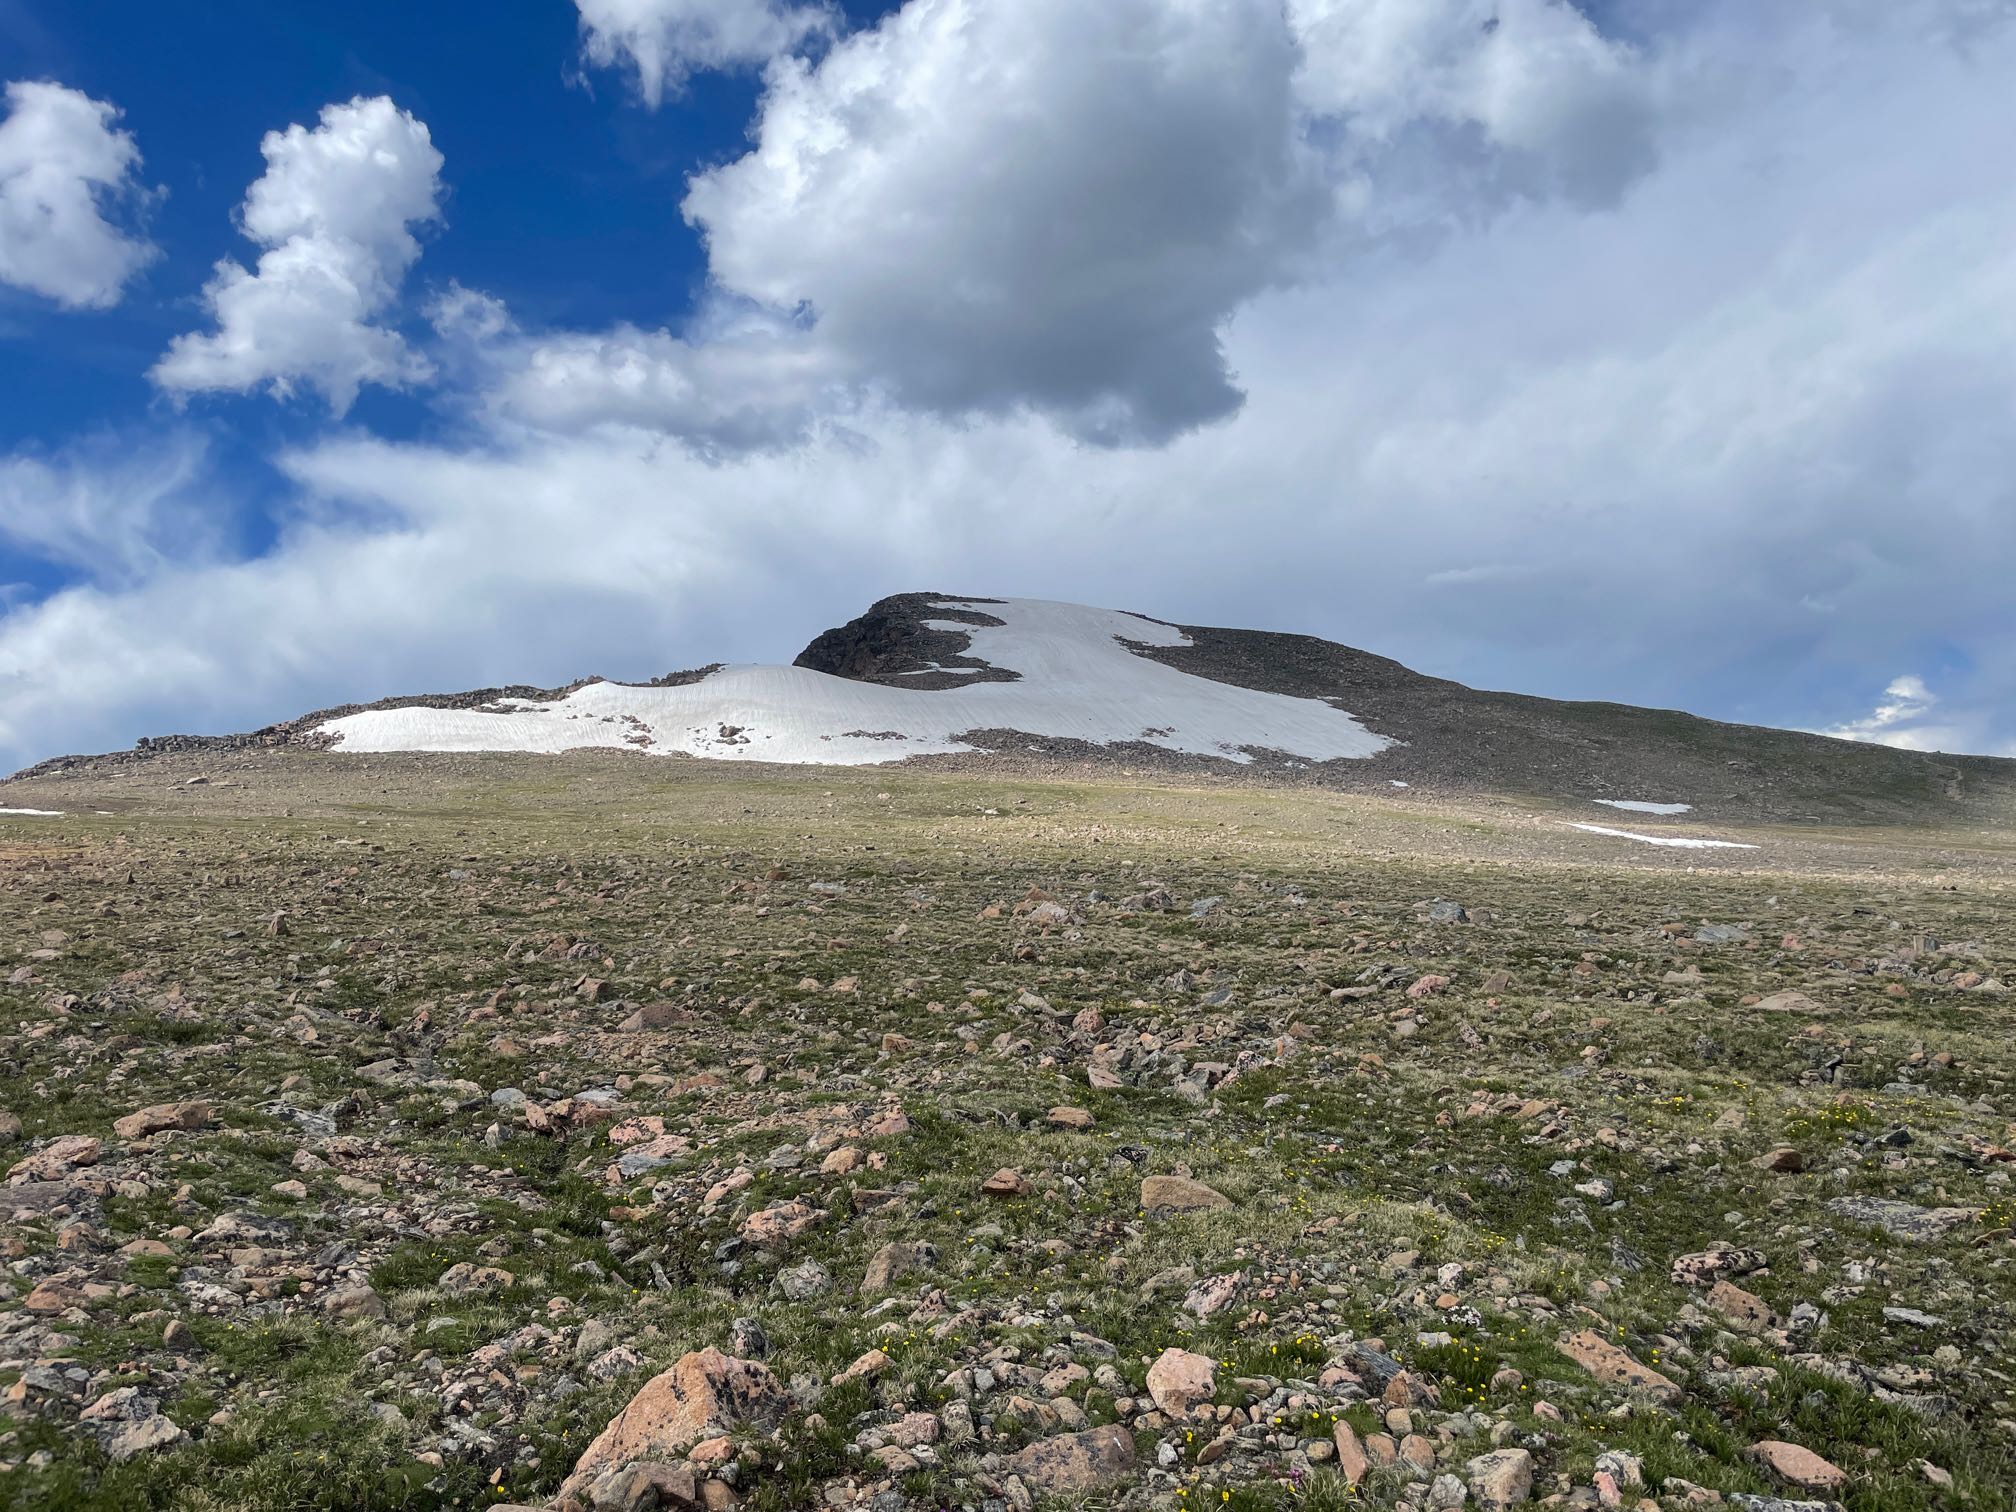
(705, 1394)
(1179, 1194)
(127, 1422)
(1502, 1478)
(1614, 1366)
(1006, 1183)
(186, 1116)
(57, 1159)
(893, 1262)
(1072, 1464)
(775, 1227)
(1180, 1381)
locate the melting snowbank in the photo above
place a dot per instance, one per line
(1077, 682)
(1679, 842)
(1640, 806)
(34, 813)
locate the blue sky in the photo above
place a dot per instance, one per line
(564, 198)
(1639, 350)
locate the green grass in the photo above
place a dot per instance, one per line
(1357, 1169)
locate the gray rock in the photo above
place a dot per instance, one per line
(747, 1339)
(1912, 1316)
(804, 1281)
(1901, 1220)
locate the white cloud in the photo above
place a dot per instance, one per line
(1567, 110)
(737, 380)
(110, 508)
(986, 205)
(66, 172)
(663, 41)
(983, 206)
(1911, 717)
(1896, 718)
(334, 211)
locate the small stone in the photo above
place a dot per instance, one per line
(1799, 1466)
(1352, 1459)
(1006, 1183)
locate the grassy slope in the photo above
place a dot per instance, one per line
(1355, 1167)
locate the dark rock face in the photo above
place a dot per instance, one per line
(1456, 738)
(893, 645)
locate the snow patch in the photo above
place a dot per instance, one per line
(1679, 842)
(1078, 681)
(1640, 806)
(35, 813)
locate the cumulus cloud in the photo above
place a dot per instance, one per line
(68, 177)
(664, 41)
(335, 211)
(978, 207)
(984, 205)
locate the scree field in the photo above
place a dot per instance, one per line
(380, 1126)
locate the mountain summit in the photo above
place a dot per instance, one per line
(958, 675)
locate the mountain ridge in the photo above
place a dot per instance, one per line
(969, 678)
